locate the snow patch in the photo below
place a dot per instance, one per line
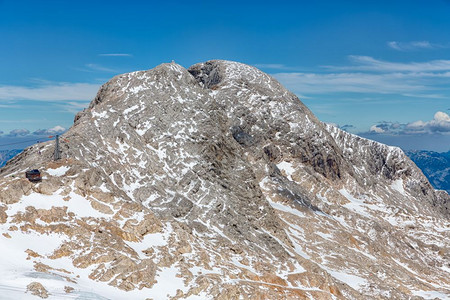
(167, 285)
(430, 294)
(353, 281)
(130, 109)
(100, 115)
(287, 168)
(355, 204)
(77, 204)
(287, 209)
(398, 186)
(61, 171)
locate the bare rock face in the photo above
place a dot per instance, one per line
(37, 289)
(217, 182)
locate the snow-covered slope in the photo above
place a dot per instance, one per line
(216, 182)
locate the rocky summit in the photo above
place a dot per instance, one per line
(215, 182)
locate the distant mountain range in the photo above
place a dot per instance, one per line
(435, 166)
(6, 155)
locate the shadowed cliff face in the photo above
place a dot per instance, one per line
(261, 111)
(218, 176)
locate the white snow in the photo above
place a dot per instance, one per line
(130, 109)
(61, 171)
(16, 272)
(196, 270)
(167, 285)
(76, 204)
(137, 89)
(355, 204)
(326, 236)
(152, 240)
(360, 206)
(405, 266)
(354, 281)
(297, 248)
(287, 168)
(398, 186)
(103, 188)
(100, 115)
(431, 294)
(166, 153)
(238, 264)
(143, 128)
(286, 208)
(445, 269)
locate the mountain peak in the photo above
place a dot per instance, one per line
(229, 73)
(220, 181)
(140, 81)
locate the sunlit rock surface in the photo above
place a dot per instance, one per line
(215, 182)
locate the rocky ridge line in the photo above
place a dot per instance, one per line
(223, 179)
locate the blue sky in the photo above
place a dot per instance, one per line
(380, 69)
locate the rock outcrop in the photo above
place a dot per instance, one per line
(217, 182)
(37, 289)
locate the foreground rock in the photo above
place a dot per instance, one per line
(37, 289)
(216, 182)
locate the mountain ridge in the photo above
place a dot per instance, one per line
(220, 180)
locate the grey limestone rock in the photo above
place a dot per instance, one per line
(240, 179)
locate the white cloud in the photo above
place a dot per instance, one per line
(415, 45)
(116, 54)
(367, 63)
(439, 124)
(61, 91)
(51, 131)
(96, 67)
(422, 44)
(19, 132)
(313, 83)
(368, 75)
(372, 64)
(9, 106)
(429, 96)
(376, 129)
(56, 129)
(394, 45)
(441, 117)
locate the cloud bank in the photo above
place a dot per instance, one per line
(21, 132)
(440, 124)
(51, 131)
